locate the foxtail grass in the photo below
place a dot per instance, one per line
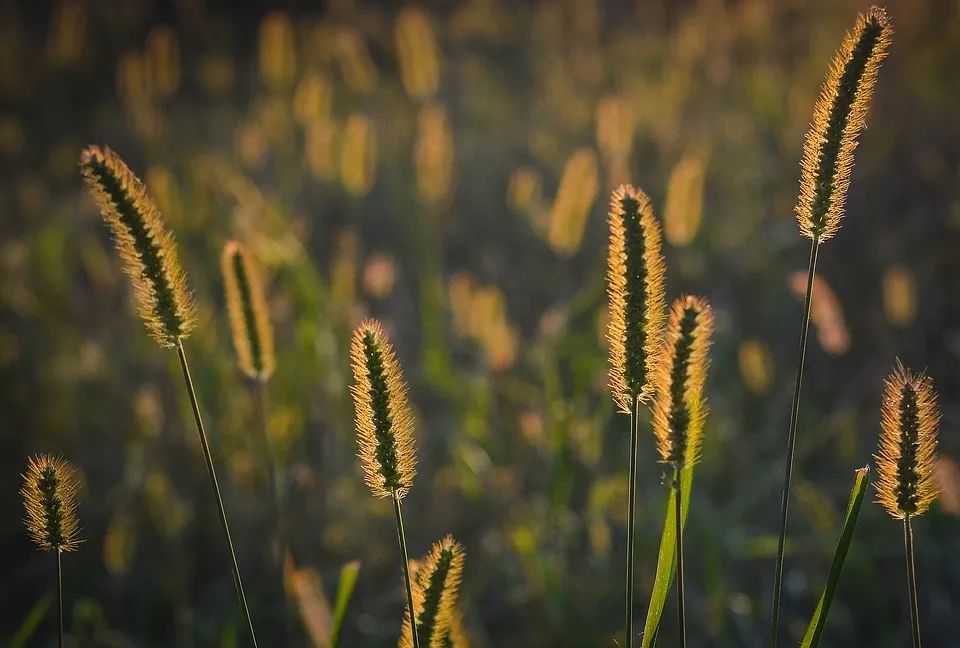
(435, 582)
(906, 484)
(839, 117)
(680, 409)
(384, 426)
(50, 490)
(149, 258)
(635, 290)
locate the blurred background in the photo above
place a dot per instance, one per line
(445, 166)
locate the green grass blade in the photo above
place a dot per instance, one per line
(665, 559)
(815, 629)
(348, 580)
(31, 622)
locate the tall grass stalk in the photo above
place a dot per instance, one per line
(839, 116)
(678, 517)
(631, 514)
(911, 581)
(792, 441)
(215, 487)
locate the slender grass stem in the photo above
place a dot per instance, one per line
(911, 581)
(215, 486)
(632, 501)
(791, 443)
(406, 570)
(59, 599)
(678, 516)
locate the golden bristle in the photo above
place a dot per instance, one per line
(635, 288)
(680, 408)
(249, 317)
(146, 248)
(383, 418)
(435, 582)
(50, 490)
(906, 484)
(838, 118)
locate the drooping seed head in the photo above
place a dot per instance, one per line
(838, 119)
(906, 484)
(679, 408)
(383, 418)
(434, 585)
(146, 248)
(635, 289)
(50, 489)
(249, 317)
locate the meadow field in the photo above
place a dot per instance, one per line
(448, 169)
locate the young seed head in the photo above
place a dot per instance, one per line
(680, 408)
(249, 318)
(635, 278)
(435, 583)
(838, 118)
(146, 248)
(50, 489)
(383, 418)
(906, 484)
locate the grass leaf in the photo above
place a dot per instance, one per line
(30, 624)
(815, 629)
(348, 580)
(665, 559)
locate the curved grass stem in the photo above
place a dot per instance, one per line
(632, 500)
(215, 486)
(911, 581)
(791, 444)
(406, 570)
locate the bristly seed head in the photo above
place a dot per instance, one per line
(906, 484)
(635, 289)
(838, 118)
(50, 490)
(383, 418)
(679, 408)
(249, 317)
(146, 248)
(435, 581)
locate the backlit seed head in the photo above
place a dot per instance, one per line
(50, 490)
(146, 248)
(383, 419)
(906, 484)
(679, 408)
(249, 317)
(838, 118)
(435, 582)
(635, 289)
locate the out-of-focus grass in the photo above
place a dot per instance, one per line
(367, 186)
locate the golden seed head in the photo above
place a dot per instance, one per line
(146, 248)
(434, 582)
(249, 316)
(50, 490)
(839, 116)
(635, 289)
(906, 484)
(383, 418)
(679, 408)
(418, 53)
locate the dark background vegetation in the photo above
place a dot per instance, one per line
(494, 296)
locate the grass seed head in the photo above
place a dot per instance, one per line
(680, 409)
(382, 414)
(146, 248)
(249, 317)
(839, 116)
(435, 582)
(906, 484)
(50, 490)
(635, 289)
